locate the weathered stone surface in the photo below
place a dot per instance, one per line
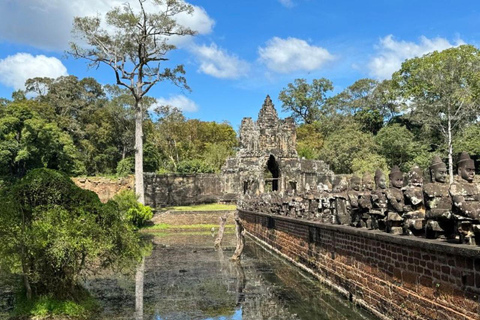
(395, 276)
(177, 189)
(105, 188)
(268, 161)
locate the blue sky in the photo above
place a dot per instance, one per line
(247, 49)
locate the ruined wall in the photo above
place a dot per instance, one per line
(398, 277)
(182, 189)
(104, 187)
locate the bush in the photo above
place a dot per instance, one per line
(125, 167)
(194, 166)
(51, 231)
(131, 210)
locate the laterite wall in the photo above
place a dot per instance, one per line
(399, 277)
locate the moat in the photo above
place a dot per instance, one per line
(186, 278)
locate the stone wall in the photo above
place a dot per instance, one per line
(183, 189)
(394, 276)
(104, 187)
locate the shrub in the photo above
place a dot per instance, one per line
(194, 166)
(51, 231)
(131, 210)
(125, 167)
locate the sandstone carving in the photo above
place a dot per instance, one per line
(434, 210)
(466, 200)
(268, 161)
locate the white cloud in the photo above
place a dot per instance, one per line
(292, 54)
(46, 24)
(219, 63)
(392, 53)
(16, 69)
(286, 3)
(179, 101)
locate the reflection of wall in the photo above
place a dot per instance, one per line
(400, 277)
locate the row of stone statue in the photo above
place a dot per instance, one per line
(436, 209)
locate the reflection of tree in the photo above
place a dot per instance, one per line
(139, 279)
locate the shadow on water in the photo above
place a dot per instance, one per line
(186, 278)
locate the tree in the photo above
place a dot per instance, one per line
(444, 91)
(468, 140)
(344, 145)
(397, 145)
(134, 50)
(28, 141)
(305, 101)
(309, 140)
(53, 231)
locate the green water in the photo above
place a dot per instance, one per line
(186, 278)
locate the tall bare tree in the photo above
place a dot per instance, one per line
(133, 44)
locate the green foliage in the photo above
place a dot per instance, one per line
(53, 231)
(368, 162)
(468, 140)
(344, 145)
(45, 307)
(194, 166)
(396, 143)
(204, 207)
(309, 140)
(444, 91)
(151, 158)
(28, 141)
(131, 210)
(306, 102)
(216, 154)
(125, 167)
(188, 146)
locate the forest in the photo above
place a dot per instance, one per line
(81, 127)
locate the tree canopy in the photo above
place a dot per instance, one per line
(443, 89)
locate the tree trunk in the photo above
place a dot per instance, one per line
(25, 270)
(450, 148)
(139, 190)
(240, 233)
(221, 230)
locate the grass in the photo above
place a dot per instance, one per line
(203, 207)
(162, 233)
(46, 307)
(166, 227)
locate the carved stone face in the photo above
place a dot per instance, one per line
(439, 174)
(382, 183)
(397, 181)
(355, 185)
(368, 184)
(467, 172)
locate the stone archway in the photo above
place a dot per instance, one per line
(272, 175)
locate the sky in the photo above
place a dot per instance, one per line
(245, 49)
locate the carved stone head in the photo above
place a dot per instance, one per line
(415, 176)
(368, 182)
(380, 181)
(355, 183)
(466, 167)
(396, 177)
(438, 170)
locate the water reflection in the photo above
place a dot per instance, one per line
(139, 277)
(186, 278)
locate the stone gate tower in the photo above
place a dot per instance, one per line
(268, 161)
